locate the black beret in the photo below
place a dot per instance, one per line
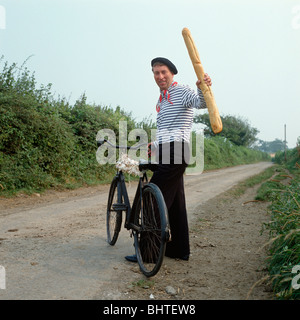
(166, 62)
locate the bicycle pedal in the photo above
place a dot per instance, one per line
(168, 237)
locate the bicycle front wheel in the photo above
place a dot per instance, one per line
(152, 232)
(113, 213)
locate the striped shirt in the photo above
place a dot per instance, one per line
(175, 113)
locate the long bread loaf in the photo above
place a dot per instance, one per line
(214, 116)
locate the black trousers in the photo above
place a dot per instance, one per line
(169, 178)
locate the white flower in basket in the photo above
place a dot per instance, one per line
(128, 165)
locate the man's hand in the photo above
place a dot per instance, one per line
(206, 79)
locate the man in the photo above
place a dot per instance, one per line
(174, 123)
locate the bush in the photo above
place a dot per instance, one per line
(35, 143)
(289, 159)
(45, 142)
(284, 228)
(220, 152)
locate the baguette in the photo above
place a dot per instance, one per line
(214, 116)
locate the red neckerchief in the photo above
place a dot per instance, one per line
(165, 94)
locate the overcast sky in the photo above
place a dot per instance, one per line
(250, 49)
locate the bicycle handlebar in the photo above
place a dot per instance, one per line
(101, 142)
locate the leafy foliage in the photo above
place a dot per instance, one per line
(288, 158)
(220, 152)
(45, 142)
(270, 146)
(35, 143)
(284, 231)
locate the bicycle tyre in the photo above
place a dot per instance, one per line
(113, 216)
(153, 230)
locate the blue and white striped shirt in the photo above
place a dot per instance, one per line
(175, 113)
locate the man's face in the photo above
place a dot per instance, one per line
(163, 77)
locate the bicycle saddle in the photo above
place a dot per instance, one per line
(147, 165)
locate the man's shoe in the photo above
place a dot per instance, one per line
(186, 258)
(132, 258)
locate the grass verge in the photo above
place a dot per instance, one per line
(241, 187)
(283, 262)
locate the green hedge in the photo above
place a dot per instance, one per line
(219, 153)
(283, 191)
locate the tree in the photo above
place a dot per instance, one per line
(236, 129)
(270, 146)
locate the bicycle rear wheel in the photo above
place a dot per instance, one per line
(113, 213)
(151, 219)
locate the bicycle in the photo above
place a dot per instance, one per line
(147, 218)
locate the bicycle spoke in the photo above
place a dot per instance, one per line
(113, 216)
(150, 240)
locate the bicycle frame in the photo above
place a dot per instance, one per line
(122, 193)
(122, 190)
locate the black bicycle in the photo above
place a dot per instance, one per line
(147, 218)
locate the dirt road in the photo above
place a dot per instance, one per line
(53, 245)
